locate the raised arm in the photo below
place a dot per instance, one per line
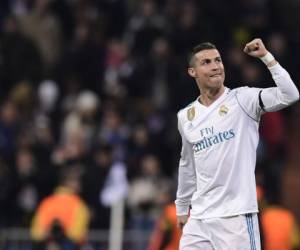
(286, 92)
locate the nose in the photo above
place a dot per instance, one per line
(215, 66)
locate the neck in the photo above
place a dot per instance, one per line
(208, 96)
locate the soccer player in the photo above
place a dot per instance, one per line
(216, 197)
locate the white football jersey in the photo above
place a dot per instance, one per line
(216, 169)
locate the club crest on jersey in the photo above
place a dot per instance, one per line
(191, 113)
(223, 110)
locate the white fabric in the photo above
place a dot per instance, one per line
(116, 185)
(267, 58)
(216, 169)
(230, 233)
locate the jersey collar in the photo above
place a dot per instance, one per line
(202, 110)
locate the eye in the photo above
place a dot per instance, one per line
(206, 61)
(218, 59)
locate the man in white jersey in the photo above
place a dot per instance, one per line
(216, 197)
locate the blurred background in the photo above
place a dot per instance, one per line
(89, 91)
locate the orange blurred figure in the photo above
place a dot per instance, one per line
(279, 228)
(65, 207)
(166, 235)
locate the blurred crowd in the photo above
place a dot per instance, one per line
(93, 86)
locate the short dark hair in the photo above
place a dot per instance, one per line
(198, 48)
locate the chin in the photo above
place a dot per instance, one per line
(216, 84)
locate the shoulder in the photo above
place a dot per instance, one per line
(187, 112)
(45, 204)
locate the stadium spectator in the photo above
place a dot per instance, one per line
(63, 211)
(166, 234)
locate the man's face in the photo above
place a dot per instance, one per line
(208, 69)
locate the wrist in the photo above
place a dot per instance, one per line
(182, 210)
(267, 58)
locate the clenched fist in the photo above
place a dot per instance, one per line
(256, 48)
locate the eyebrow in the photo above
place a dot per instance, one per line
(210, 59)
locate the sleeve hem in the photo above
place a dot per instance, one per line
(182, 210)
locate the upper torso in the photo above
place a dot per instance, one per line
(224, 139)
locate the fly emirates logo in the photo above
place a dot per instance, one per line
(210, 138)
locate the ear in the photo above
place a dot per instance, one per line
(192, 72)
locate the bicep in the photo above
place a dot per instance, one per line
(272, 99)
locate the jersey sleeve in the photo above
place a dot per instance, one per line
(249, 100)
(256, 101)
(186, 176)
(283, 95)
